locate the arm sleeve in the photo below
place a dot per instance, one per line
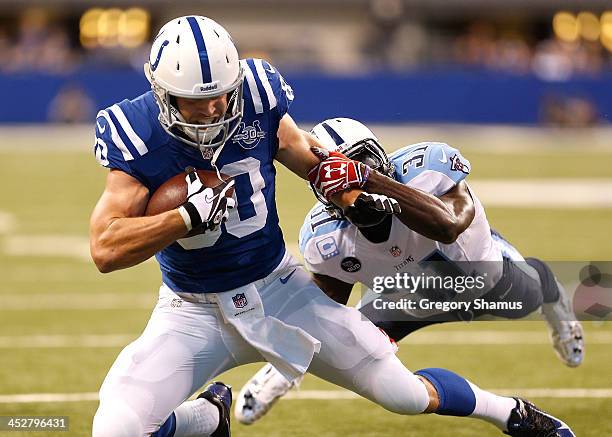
(320, 239)
(321, 256)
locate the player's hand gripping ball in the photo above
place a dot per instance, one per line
(203, 200)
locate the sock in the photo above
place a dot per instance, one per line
(492, 408)
(196, 418)
(459, 397)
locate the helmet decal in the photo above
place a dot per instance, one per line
(332, 133)
(161, 49)
(199, 39)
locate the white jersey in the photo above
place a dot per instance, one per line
(336, 248)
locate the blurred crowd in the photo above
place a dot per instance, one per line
(482, 45)
(386, 38)
(36, 44)
(39, 41)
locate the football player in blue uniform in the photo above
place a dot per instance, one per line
(442, 225)
(230, 293)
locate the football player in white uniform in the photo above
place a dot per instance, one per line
(442, 224)
(230, 293)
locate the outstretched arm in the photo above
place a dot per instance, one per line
(441, 218)
(295, 154)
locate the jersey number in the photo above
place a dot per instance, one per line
(250, 216)
(415, 159)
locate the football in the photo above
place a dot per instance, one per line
(173, 193)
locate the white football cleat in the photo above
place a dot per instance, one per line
(260, 393)
(565, 331)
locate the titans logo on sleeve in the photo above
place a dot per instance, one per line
(130, 138)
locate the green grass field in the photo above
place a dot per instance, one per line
(48, 285)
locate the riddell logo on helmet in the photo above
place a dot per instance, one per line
(210, 87)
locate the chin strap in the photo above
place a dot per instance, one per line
(213, 161)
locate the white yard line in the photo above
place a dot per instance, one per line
(66, 341)
(7, 222)
(444, 338)
(73, 246)
(501, 139)
(34, 138)
(51, 245)
(36, 398)
(491, 337)
(525, 392)
(555, 393)
(81, 301)
(544, 193)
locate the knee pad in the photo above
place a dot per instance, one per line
(117, 420)
(550, 289)
(455, 393)
(388, 383)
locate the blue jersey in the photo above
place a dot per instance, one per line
(250, 244)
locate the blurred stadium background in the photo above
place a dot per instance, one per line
(523, 88)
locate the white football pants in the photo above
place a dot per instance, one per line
(186, 344)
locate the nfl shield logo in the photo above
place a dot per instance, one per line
(240, 300)
(207, 153)
(395, 251)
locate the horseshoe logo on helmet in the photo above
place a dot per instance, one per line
(161, 49)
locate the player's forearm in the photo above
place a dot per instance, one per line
(296, 154)
(128, 241)
(300, 160)
(421, 212)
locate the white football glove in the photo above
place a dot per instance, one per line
(205, 208)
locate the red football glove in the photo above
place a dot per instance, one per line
(336, 173)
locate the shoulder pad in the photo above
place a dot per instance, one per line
(318, 223)
(265, 87)
(433, 167)
(124, 133)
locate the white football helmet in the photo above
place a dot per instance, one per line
(356, 141)
(195, 57)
